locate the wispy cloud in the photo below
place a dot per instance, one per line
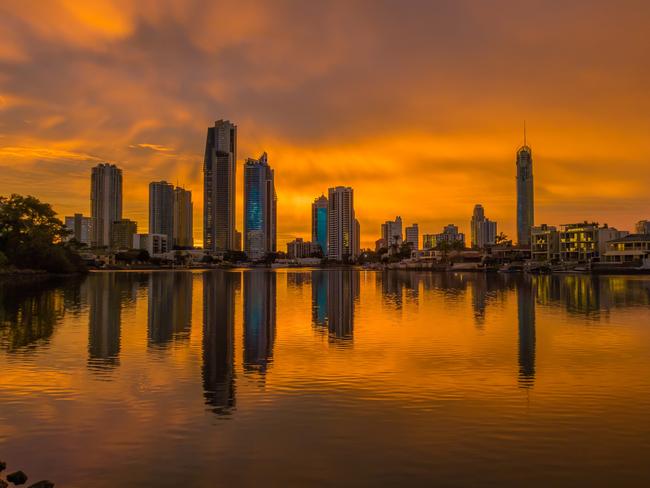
(419, 109)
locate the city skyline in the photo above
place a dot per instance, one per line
(102, 91)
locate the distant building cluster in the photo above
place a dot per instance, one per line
(335, 229)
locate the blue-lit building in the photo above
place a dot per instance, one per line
(319, 223)
(260, 203)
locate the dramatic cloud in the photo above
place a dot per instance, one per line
(417, 105)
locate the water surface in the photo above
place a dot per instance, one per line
(327, 378)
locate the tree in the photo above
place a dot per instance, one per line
(501, 238)
(32, 237)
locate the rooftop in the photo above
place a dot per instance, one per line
(633, 238)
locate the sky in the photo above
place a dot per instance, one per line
(418, 105)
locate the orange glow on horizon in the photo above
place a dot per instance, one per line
(421, 116)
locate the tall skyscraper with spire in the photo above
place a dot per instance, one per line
(525, 195)
(260, 204)
(105, 202)
(219, 187)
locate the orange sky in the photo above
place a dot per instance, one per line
(419, 106)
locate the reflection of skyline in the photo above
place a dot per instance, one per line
(29, 314)
(259, 319)
(108, 295)
(169, 307)
(485, 288)
(343, 292)
(297, 279)
(104, 321)
(396, 284)
(526, 326)
(319, 290)
(218, 369)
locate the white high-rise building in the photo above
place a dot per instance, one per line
(391, 231)
(105, 202)
(413, 236)
(341, 226)
(484, 231)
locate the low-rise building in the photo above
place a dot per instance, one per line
(81, 228)
(380, 244)
(630, 249)
(428, 241)
(299, 248)
(154, 244)
(642, 227)
(122, 232)
(450, 235)
(586, 241)
(545, 243)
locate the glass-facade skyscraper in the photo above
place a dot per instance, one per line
(219, 187)
(319, 223)
(525, 197)
(260, 214)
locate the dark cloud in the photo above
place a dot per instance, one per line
(423, 100)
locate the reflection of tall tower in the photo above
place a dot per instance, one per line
(170, 307)
(104, 320)
(525, 197)
(259, 319)
(218, 339)
(526, 319)
(479, 298)
(343, 291)
(319, 289)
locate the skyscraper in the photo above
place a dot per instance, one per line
(484, 231)
(259, 208)
(183, 228)
(340, 223)
(413, 236)
(219, 179)
(391, 231)
(161, 209)
(319, 223)
(105, 202)
(525, 196)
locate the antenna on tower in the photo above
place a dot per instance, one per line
(524, 132)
